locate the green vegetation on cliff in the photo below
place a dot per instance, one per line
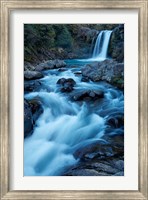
(64, 41)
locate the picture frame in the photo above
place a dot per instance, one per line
(6, 7)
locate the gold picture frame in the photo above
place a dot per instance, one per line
(142, 7)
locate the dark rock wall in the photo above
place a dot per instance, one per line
(116, 46)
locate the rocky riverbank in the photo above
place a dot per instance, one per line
(73, 105)
(103, 157)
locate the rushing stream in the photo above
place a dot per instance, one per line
(64, 125)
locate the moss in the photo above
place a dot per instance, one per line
(118, 82)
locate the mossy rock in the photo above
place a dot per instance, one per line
(118, 82)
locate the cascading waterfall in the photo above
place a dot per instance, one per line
(101, 45)
(100, 48)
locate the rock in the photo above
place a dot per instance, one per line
(82, 172)
(28, 120)
(118, 81)
(58, 63)
(71, 56)
(28, 67)
(117, 145)
(99, 158)
(78, 73)
(113, 147)
(93, 150)
(119, 174)
(87, 94)
(108, 70)
(50, 64)
(87, 34)
(66, 84)
(31, 86)
(31, 75)
(36, 109)
(32, 110)
(115, 121)
(41, 66)
(104, 168)
(61, 81)
(85, 79)
(61, 69)
(119, 164)
(116, 45)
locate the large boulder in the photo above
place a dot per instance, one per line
(31, 75)
(51, 64)
(36, 108)
(32, 110)
(35, 86)
(66, 85)
(99, 158)
(108, 70)
(32, 86)
(87, 94)
(28, 120)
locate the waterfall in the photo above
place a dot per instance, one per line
(101, 45)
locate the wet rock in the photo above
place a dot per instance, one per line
(32, 110)
(99, 158)
(115, 121)
(85, 79)
(93, 150)
(28, 119)
(119, 174)
(104, 168)
(31, 86)
(36, 109)
(116, 45)
(61, 69)
(77, 73)
(35, 86)
(87, 94)
(119, 164)
(108, 70)
(116, 141)
(66, 84)
(82, 172)
(113, 147)
(31, 75)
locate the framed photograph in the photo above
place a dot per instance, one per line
(74, 99)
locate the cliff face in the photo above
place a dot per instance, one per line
(116, 47)
(68, 41)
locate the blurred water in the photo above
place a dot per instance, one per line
(65, 125)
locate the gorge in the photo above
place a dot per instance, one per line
(74, 113)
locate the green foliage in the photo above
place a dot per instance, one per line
(64, 38)
(42, 41)
(118, 82)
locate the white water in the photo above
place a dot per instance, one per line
(64, 126)
(101, 47)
